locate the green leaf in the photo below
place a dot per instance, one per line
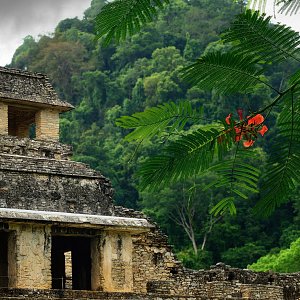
(238, 177)
(153, 121)
(295, 78)
(223, 205)
(253, 34)
(225, 72)
(181, 159)
(289, 6)
(257, 5)
(283, 6)
(283, 171)
(121, 18)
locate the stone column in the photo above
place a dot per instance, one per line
(96, 271)
(32, 266)
(47, 124)
(116, 262)
(3, 118)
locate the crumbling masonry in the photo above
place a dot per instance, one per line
(62, 237)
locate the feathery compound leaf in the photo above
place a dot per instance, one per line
(181, 159)
(157, 119)
(295, 78)
(257, 5)
(254, 34)
(121, 18)
(289, 6)
(225, 72)
(222, 206)
(238, 177)
(283, 171)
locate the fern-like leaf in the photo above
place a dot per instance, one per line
(222, 206)
(121, 18)
(257, 5)
(295, 79)
(289, 6)
(157, 119)
(253, 34)
(225, 72)
(286, 6)
(283, 173)
(239, 177)
(183, 158)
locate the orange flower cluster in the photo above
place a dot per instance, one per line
(248, 130)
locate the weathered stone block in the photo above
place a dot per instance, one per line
(3, 118)
(31, 266)
(47, 124)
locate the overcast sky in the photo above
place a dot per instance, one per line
(19, 18)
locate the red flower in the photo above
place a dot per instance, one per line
(238, 133)
(227, 119)
(248, 143)
(248, 130)
(256, 120)
(263, 130)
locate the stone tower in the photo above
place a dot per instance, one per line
(62, 237)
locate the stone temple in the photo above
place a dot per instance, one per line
(61, 235)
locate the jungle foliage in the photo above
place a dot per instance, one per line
(142, 77)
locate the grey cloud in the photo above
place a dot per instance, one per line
(22, 14)
(19, 18)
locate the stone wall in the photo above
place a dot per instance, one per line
(38, 175)
(34, 148)
(47, 124)
(34, 191)
(29, 257)
(8, 294)
(153, 259)
(3, 118)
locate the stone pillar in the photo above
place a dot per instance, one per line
(12, 259)
(96, 271)
(68, 270)
(32, 266)
(3, 118)
(47, 124)
(116, 262)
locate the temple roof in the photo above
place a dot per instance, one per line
(22, 86)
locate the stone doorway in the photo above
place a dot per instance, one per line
(71, 262)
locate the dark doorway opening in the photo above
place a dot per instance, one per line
(80, 249)
(3, 259)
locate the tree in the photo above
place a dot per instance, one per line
(287, 260)
(253, 45)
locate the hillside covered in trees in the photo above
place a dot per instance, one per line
(105, 83)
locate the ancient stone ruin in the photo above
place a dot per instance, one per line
(62, 237)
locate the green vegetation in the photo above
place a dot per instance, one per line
(145, 70)
(287, 260)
